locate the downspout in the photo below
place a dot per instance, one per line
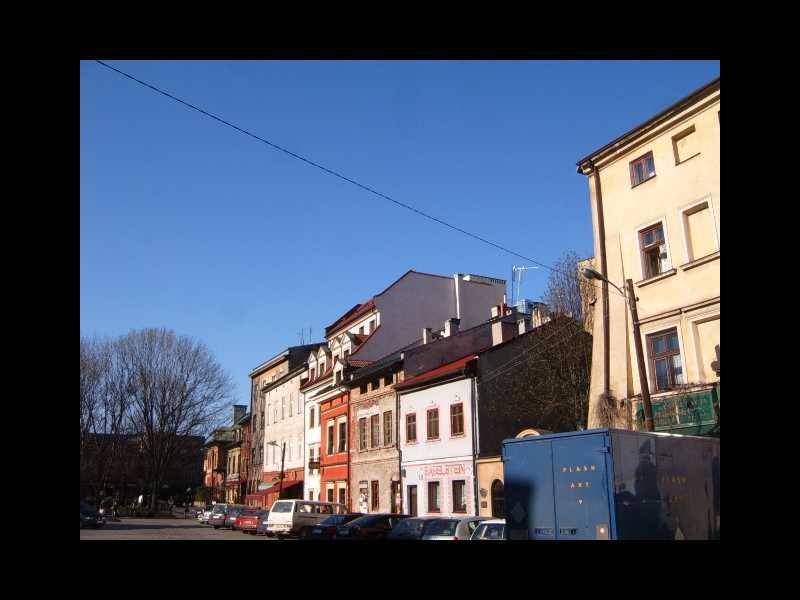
(601, 232)
(475, 448)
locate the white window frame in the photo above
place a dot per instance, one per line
(684, 132)
(638, 240)
(688, 210)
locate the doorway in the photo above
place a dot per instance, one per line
(498, 500)
(412, 500)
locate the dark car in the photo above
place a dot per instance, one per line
(409, 529)
(231, 515)
(326, 529)
(90, 517)
(261, 529)
(369, 527)
(248, 520)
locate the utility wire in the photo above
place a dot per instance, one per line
(332, 172)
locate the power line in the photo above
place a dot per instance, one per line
(330, 171)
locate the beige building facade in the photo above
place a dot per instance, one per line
(655, 202)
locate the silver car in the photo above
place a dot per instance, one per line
(492, 529)
(451, 528)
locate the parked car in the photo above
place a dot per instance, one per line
(326, 529)
(247, 521)
(409, 529)
(217, 516)
(90, 517)
(491, 529)
(262, 524)
(204, 515)
(293, 518)
(451, 528)
(369, 527)
(234, 510)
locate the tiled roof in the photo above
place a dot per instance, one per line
(357, 362)
(452, 367)
(327, 373)
(350, 316)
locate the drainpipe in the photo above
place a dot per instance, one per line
(475, 448)
(397, 440)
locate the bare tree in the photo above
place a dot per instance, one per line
(567, 292)
(174, 389)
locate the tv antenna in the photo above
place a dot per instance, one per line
(516, 282)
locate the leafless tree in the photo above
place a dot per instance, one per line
(567, 292)
(174, 389)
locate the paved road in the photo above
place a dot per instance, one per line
(163, 529)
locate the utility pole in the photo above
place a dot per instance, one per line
(637, 339)
(283, 455)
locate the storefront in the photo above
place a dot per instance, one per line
(444, 488)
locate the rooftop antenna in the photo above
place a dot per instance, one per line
(516, 277)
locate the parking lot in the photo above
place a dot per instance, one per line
(163, 529)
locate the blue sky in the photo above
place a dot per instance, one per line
(190, 225)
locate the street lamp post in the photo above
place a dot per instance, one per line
(283, 455)
(590, 273)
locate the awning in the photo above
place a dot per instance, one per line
(272, 488)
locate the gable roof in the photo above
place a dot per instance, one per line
(438, 373)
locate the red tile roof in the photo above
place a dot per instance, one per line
(327, 373)
(357, 362)
(350, 316)
(452, 367)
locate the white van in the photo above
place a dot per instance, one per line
(296, 517)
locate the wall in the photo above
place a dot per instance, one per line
(289, 428)
(488, 471)
(684, 299)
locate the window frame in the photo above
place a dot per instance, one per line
(652, 357)
(331, 431)
(374, 495)
(341, 441)
(374, 431)
(410, 440)
(362, 434)
(661, 222)
(428, 437)
(461, 433)
(388, 428)
(463, 483)
(642, 159)
(438, 508)
(677, 138)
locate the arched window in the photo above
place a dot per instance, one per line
(498, 499)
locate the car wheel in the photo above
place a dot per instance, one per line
(216, 526)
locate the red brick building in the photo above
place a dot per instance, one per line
(335, 456)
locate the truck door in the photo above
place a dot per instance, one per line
(581, 496)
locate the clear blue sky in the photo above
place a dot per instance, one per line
(189, 225)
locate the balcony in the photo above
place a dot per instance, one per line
(694, 412)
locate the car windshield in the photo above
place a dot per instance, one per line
(369, 520)
(408, 527)
(445, 527)
(338, 519)
(493, 532)
(282, 507)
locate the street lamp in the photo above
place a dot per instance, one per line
(283, 455)
(590, 273)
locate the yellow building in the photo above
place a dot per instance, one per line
(655, 202)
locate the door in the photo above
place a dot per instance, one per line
(498, 500)
(583, 511)
(412, 500)
(395, 497)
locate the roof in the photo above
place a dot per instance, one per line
(384, 362)
(357, 362)
(283, 355)
(652, 122)
(326, 374)
(437, 373)
(351, 315)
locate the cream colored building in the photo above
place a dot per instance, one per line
(655, 201)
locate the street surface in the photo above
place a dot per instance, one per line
(163, 529)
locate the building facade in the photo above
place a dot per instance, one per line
(655, 201)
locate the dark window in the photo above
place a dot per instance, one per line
(642, 169)
(361, 330)
(411, 427)
(363, 388)
(375, 497)
(456, 419)
(387, 380)
(343, 436)
(433, 496)
(342, 495)
(330, 438)
(372, 325)
(330, 495)
(311, 417)
(388, 428)
(376, 384)
(362, 433)
(346, 353)
(459, 496)
(375, 430)
(321, 368)
(433, 424)
(412, 500)
(338, 376)
(654, 251)
(665, 359)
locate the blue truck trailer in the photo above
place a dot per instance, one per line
(602, 484)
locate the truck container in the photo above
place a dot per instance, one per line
(603, 484)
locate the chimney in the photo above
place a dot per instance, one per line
(451, 327)
(239, 410)
(502, 331)
(523, 324)
(427, 335)
(496, 311)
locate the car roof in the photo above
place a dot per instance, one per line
(494, 522)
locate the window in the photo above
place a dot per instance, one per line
(311, 417)
(321, 369)
(412, 500)
(376, 384)
(433, 424)
(310, 494)
(375, 430)
(701, 233)
(665, 359)
(283, 407)
(411, 427)
(275, 415)
(685, 145)
(459, 496)
(330, 437)
(343, 495)
(330, 495)
(433, 496)
(375, 498)
(642, 169)
(343, 436)
(299, 407)
(362, 433)
(371, 326)
(387, 428)
(361, 330)
(269, 409)
(654, 251)
(291, 405)
(387, 380)
(362, 388)
(457, 419)
(346, 353)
